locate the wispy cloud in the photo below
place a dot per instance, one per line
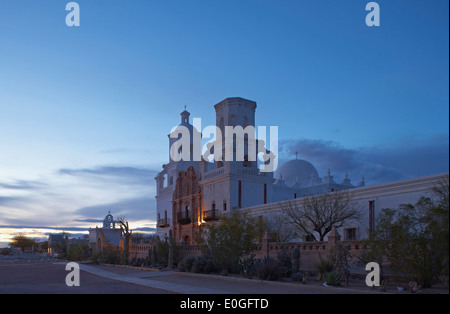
(78, 198)
(124, 150)
(22, 185)
(401, 159)
(125, 174)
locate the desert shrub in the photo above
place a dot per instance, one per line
(78, 252)
(137, 263)
(414, 238)
(297, 276)
(110, 255)
(198, 266)
(246, 266)
(95, 258)
(209, 266)
(268, 269)
(284, 259)
(333, 279)
(186, 263)
(228, 241)
(340, 257)
(323, 267)
(162, 251)
(300, 276)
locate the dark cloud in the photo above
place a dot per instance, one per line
(89, 220)
(145, 229)
(128, 175)
(404, 158)
(133, 209)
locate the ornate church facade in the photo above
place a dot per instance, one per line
(192, 193)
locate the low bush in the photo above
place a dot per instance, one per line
(323, 267)
(268, 269)
(247, 266)
(333, 279)
(297, 276)
(186, 263)
(198, 266)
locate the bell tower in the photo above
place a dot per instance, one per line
(238, 113)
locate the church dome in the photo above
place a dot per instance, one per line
(297, 171)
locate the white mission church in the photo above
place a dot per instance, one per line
(192, 193)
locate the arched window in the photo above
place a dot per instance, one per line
(222, 127)
(232, 120)
(245, 122)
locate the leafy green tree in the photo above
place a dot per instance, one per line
(414, 238)
(78, 252)
(234, 236)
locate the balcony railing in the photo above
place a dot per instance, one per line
(184, 218)
(163, 222)
(210, 215)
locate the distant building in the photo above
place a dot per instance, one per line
(56, 242)
(107, 236)
(60, 243)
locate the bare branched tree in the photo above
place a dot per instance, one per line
(126, 233)
(442, 191)
(279, 227)
(319, 213)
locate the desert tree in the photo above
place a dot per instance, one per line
(126, 233)
(22, 241)
(235, 236)
(414, 238)
(317, 214)
(279, 227)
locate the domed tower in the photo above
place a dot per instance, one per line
(181, 140)
(298, 173)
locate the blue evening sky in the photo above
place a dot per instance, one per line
(85, 111)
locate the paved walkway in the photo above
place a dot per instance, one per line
(36, 277)
(189, 283)
(147, 278)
